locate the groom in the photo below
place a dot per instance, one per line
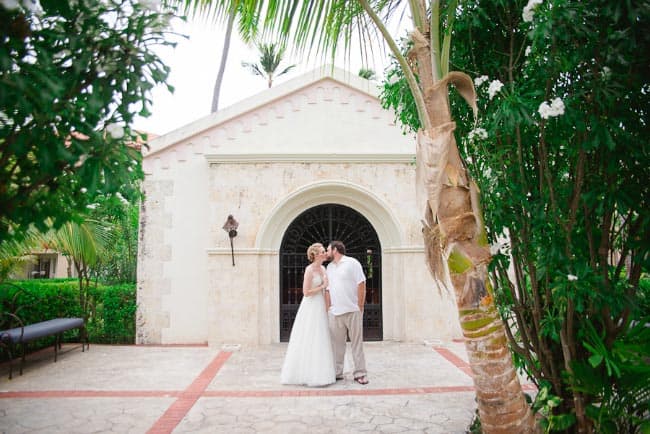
(344, 299)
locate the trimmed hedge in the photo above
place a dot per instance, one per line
(111, 316)
(115, 315)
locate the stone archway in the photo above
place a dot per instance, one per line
(271, 232)
(324, 223)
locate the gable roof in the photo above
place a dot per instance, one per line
(326, 72)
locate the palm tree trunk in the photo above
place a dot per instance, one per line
(455, 237)
(222, 65)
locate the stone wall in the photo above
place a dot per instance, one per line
(265, 163)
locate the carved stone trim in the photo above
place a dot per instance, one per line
(310, 158)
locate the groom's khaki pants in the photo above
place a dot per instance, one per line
(340, 326)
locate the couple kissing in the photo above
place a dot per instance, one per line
(331, 308)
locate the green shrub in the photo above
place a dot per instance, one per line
(115, 323)
(111, 314)
(40, 300)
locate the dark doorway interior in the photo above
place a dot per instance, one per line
(323, 224)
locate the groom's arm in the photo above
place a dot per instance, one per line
(361, 293)
(328, 300)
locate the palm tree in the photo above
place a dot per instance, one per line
(233, 10)
(86, 244)
(455, 238)
(270, 57)
(222, 64)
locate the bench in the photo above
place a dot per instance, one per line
(24, 334)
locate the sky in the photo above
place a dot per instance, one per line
(194, 64)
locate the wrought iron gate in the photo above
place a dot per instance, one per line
(323, 224)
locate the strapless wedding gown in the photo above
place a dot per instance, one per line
(309, 360)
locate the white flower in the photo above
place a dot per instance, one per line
(91, 206)
(116, 131)
(502, 243)
(606, 72)
(477, 133)
(83, 189)
(480, 80)
(130, 169)
(34, 6)
(121, 198)
(495, 86)
(527, 52)
(556, 108)
(10, 4)
(571, 277)
(529, 11)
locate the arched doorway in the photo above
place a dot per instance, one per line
(324, 223)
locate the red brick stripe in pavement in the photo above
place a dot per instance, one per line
(455, 360)
(91, 394)
(177, 411)
(464, 366)
(233, 393)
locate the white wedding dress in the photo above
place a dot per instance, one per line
(309, 360)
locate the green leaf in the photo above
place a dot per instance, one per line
(595, 360)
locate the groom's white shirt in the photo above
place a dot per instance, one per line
(344, 279)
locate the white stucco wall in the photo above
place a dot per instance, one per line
(318, 139)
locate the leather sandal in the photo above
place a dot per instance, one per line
(361, 380)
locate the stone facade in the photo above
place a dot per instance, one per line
(320, 138)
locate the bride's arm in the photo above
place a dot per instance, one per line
(307, 290)
(326, 281)
(306, 282)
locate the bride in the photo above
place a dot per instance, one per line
(309, 358)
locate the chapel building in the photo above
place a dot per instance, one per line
(313, 159)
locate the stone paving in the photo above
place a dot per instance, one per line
(198, 389)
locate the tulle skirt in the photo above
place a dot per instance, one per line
(309, 360)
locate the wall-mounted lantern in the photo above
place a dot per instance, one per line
(231, 226)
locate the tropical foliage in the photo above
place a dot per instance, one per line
(14, 253)
(367, 73)
(85, 244)
(121, 213)
(73, 75)
(560, 153)
(271, 56)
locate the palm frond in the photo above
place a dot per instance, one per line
(85, 242)
(287, 69)
(254, 68)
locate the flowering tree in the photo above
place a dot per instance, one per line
(72, 77)
(560, 152)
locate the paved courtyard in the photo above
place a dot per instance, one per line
(199, 389)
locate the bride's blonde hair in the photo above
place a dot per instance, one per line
(313, 251)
